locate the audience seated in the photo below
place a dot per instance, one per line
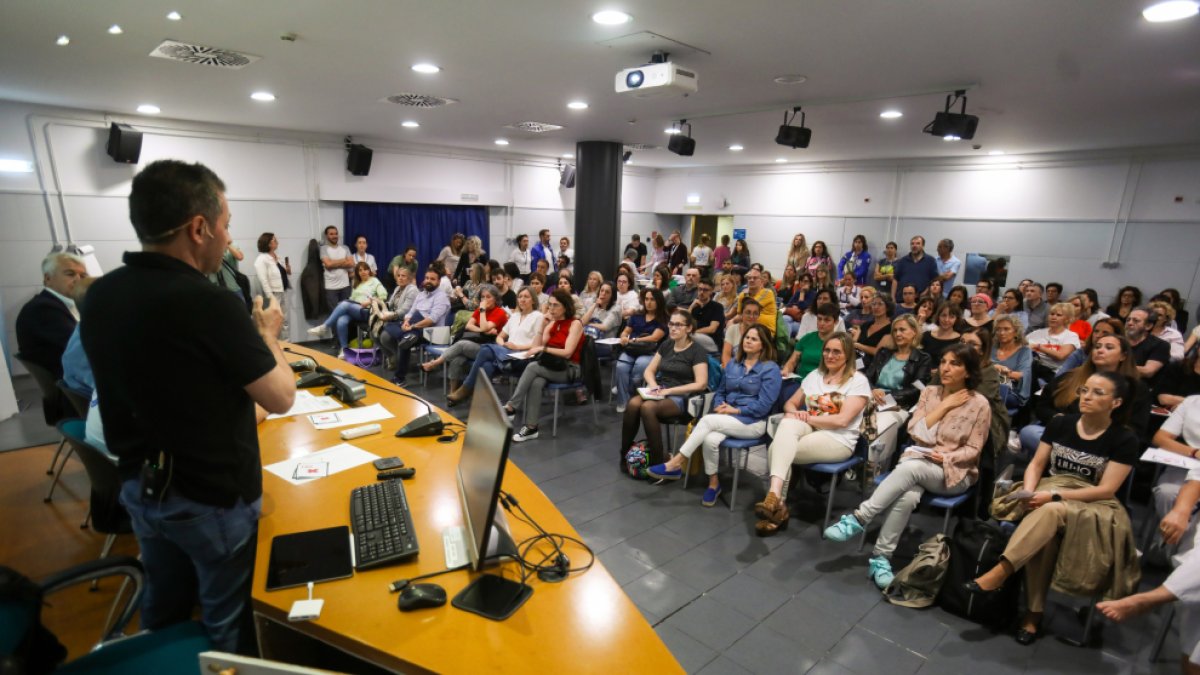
(564, 284)
(1106, 326)
(765, 298)
(357, 308)
(727, 294)
(639, 343)
(821, 423)
(1150, 353)
(861, 315)
(908, 300)
(1072, 532)
(979, 312)
(522, 332)
(1054, 343)
(76, 370)
(735, 331)
(926, 312)
(557, 360)
(1179, 434)
(1128, 298)
(948, 328)
(397, 305)
(429, 309)
(948, 429)
(1036, 309)
(1178, 381)
(867, 339)
(806, 356)
(1080, 326)
(591, 289)
(45, 323)
(465, 297)
(482, 328)
(628, 299)
(1013, 359)
(603, 314)
(1164, 328)
(808, 322)
(740, 408)
(895, 372)
(684, 294)
(677, 370)
(710, 318)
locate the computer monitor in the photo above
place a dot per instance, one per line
(480, 473)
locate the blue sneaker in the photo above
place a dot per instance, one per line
(662, 472)
(844, 529)
(710, 496)
(880, 571)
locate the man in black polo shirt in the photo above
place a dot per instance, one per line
(710, 318)
(179, 368)
(1150, 352)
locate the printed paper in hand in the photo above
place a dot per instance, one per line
(349, 416)
(337, 458)
(306, 403)
(1160, 456)
(608, 341)
(647, 394)
(889, 403)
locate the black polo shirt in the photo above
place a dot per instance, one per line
(707, 314)
(1152, 349)
(172, 353)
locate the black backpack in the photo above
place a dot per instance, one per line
(974, 549)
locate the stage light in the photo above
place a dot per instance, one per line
(794, 137)
(680, 144)
(953, 126)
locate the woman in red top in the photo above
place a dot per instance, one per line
(562, 337)
(483, 326)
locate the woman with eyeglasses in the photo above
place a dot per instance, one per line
(483, 327)
(821, 423)
(1012, 304)
(807, 353)
(639, 343)
(677, 370)
(740, 408)
(948, 430)
(979, 313)
(1110, 354)
(563, 338)
(868, 338)
(894, 373)
(1072, 531)
(1013, 359)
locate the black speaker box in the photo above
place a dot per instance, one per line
(567, 178)
(358, 160)
(682, 145)
(794, 137)
(124, 143)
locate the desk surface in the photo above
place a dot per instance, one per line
(585, 620)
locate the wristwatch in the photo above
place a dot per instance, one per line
(1054, 496)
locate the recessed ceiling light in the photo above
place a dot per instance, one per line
(736, 148)
(693, 198)
(611, 17)
(148, 109)
(410, 124)
(262, 96)
(501, 141)
(15, 166)
(671, 130)
(567, 155)
(1172, 10)
(781, 160)
(951, 137)
(62, 41)
(427, 68)
(174, 16)
(995, 153)
(115, 30)
(891, 114)
(791, 79)
(577, 105)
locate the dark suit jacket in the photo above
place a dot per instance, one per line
(43, 328)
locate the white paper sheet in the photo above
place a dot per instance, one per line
(349, 416)
(306, 402)
(340, 457)
(889, 403)
(517, 356)
(1160, 456)
(608, 341)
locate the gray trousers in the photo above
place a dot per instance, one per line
(459, 356)
(528, 394)
(901, 491)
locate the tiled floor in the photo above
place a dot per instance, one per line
(726, 601)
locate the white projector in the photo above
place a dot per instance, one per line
(657, 79)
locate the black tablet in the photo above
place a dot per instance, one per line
(317, 555)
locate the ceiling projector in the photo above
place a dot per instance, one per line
(657, 79)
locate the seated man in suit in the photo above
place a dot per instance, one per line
(46, 322)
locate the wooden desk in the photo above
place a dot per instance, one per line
(583, 624)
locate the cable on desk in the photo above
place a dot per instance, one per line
(560, 568)
(400, 584)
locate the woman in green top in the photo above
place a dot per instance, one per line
(807, 355)
(357, 308)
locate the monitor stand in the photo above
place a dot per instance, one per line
(489, 595)
(501, 545)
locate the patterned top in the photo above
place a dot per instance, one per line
(1071, 454)
(959, 436)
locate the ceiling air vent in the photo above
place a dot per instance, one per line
(202, 55)
(642, 146)
(534, 127)
(419, 100)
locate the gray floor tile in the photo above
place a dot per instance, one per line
(660, 594)
(905, 627)
(865, 652)
(750, 596)
(712, 623)
(812, 629)
(762, 650)
(578, 482)
(789, 568)
(700, 569)
(828, 667)
(658, 546)
(723, 666)
(848, 594)
(1051, 657)
(687, 651)
(978, 651)
(622, 564)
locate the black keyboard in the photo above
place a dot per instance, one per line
(382, 524)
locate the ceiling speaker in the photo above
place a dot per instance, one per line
(358, 159)
(682, 145)
(567, 177)
(124, 143)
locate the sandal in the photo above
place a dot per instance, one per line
(767, 506)
(777, 521)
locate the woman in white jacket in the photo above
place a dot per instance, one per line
(273, 275)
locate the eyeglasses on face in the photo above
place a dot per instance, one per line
(676, 324)
(832, 352)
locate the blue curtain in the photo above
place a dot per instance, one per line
(390, 228)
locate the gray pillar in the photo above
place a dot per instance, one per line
(597, 207)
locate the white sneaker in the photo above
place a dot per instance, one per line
(319, 331)
(620, 410)
(342, 355)
(525, 434)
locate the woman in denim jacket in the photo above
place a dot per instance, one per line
(740, 409)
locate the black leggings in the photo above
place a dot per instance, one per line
(649, 414)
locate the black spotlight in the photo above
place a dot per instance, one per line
(626, 157)
(685, 146)
(954, 126)
(793, 137)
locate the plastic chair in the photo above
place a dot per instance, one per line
(835, 469)
(105, 514)
(78, 401)
(557, 388)
(587, 356)
(171, 650)
(47, 383)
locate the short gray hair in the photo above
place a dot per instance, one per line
(52, 262)
(491, 290)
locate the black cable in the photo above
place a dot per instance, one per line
(401, 584)
(526, 547)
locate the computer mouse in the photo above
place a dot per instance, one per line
(420, 596)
